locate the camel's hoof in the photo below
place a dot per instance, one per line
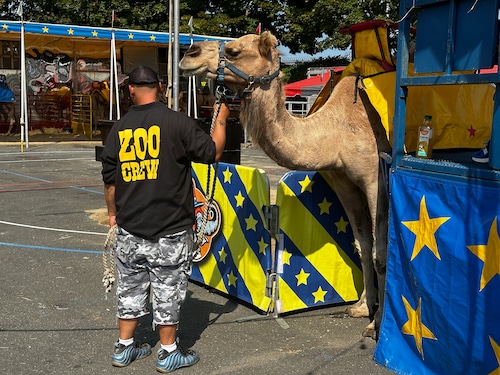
(370, 331)
(357, 311)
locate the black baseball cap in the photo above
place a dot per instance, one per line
(142, 75)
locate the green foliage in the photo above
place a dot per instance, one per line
(303, 26)
(298, 71)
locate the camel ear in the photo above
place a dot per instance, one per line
(267, 42)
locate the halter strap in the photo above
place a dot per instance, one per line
(224, 63)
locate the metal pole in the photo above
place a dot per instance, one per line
(111, 71)
(175, 63)
(169, 62)
(24, 96)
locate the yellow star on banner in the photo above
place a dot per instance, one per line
(231, 279)
(239, 199)
(496, 350)
(71, 31)
(306, 184)
(45, 29)
(489, 254)
(222, 255)
(262, 246)
(94, 33)
(227, 175)
(425, 228)
(251, 223)
(302, 277)
(131, 36)
(5, 26)
(324, 207)
(354, 248)
(153, 38)
(319, 295)
(341, 225)
(414, 326)
(286, 257)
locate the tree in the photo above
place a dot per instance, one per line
(298, 71)
(313, 26)
(309, 26)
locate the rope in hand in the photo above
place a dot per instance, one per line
(108, 260)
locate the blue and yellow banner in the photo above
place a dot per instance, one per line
(236, 247)
(316, 259)
(442, 304)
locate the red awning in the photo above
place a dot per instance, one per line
(312, 84)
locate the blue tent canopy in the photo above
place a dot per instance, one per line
(100, 33)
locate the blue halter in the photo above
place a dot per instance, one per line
(224, 63)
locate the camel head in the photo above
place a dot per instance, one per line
(245, 62)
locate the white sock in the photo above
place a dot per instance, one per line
(170, 348)
(126, 342)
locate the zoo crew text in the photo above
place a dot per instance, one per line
(135, 146)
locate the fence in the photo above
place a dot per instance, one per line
(300, 108)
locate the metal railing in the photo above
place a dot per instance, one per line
(300, 108)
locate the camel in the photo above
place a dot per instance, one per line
(343, 138)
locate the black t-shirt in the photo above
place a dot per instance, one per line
(147, 157)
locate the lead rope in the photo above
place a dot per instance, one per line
(108, 260)
(210, 190)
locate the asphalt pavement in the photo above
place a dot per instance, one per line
(56, 318)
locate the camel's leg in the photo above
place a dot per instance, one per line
(379, 214)
(380, 248)
(354, 202)
(359, 309)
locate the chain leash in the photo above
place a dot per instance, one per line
(210, 188)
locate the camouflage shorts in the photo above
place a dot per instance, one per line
(164, 265)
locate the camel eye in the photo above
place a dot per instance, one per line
(232, 53)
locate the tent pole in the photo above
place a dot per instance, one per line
(169, 62)
(111, 73)
(175, 65)
(24, 105)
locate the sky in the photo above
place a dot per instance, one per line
(289, 57)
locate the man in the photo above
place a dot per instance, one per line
(149, 195)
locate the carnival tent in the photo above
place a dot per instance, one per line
(59, 53)
(91, 41)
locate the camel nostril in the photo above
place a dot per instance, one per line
(193, 51)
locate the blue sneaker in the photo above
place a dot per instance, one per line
(482, 156)
(124, 355)
(168, 362)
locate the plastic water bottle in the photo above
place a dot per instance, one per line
(424, 144)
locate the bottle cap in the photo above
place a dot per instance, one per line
(427, 117)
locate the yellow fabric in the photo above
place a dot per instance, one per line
(366, 44)
(324, 94)
(461, 114)
(365, 67)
